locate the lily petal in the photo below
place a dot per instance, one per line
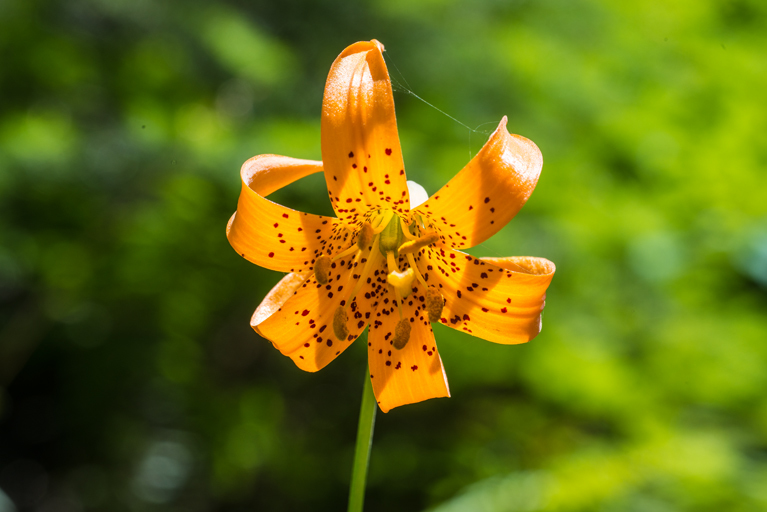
(297, 314)
(360, 144)
(496, 299)
(271, 235)
(488, 192)
(412, 374)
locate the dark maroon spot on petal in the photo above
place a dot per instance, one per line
(354, 166)
(503, 310)
(285, 215)
(487, 200)
(388, 151)
(330, 343)
(304, 312)
(351, 154)
(414, 367)
(271, 255)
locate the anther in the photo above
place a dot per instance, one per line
(401, 334)
(365, 236)
(416, 245)
(322, 269)
(339, 324)
(434, 304)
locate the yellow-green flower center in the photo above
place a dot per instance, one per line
(386, 234)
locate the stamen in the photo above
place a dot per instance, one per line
(406, 230)
(372, 262)
(411, 261)
(401, 334)
(365, 236)
(434, 303)
(384, 220)
(322, 269)
(339, 323)
(418, 244)
(346, 252)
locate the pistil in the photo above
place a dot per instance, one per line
(391, 238)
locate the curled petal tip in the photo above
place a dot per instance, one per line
(378, 44)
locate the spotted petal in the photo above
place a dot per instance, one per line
(271, 235)
(297, 314)
(488, 192)
(410, 375)
(497, 299)
(360, 144)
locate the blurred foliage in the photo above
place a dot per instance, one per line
(131, 380)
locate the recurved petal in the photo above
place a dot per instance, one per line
(271, 235)
(297, 314)
(360, 144)
(412, 374)
(488, 192)
(497, 299)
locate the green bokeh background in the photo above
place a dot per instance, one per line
(130, 379)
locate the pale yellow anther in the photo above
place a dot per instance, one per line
(339, 324)
(365, 236)
(402, 281)
(434, 304)
(416, 245)
(401, 334)
(322, 269)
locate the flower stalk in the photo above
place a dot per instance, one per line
(365, 428)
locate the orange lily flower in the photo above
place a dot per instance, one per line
(384, 262)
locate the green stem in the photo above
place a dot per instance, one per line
(362, 449)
